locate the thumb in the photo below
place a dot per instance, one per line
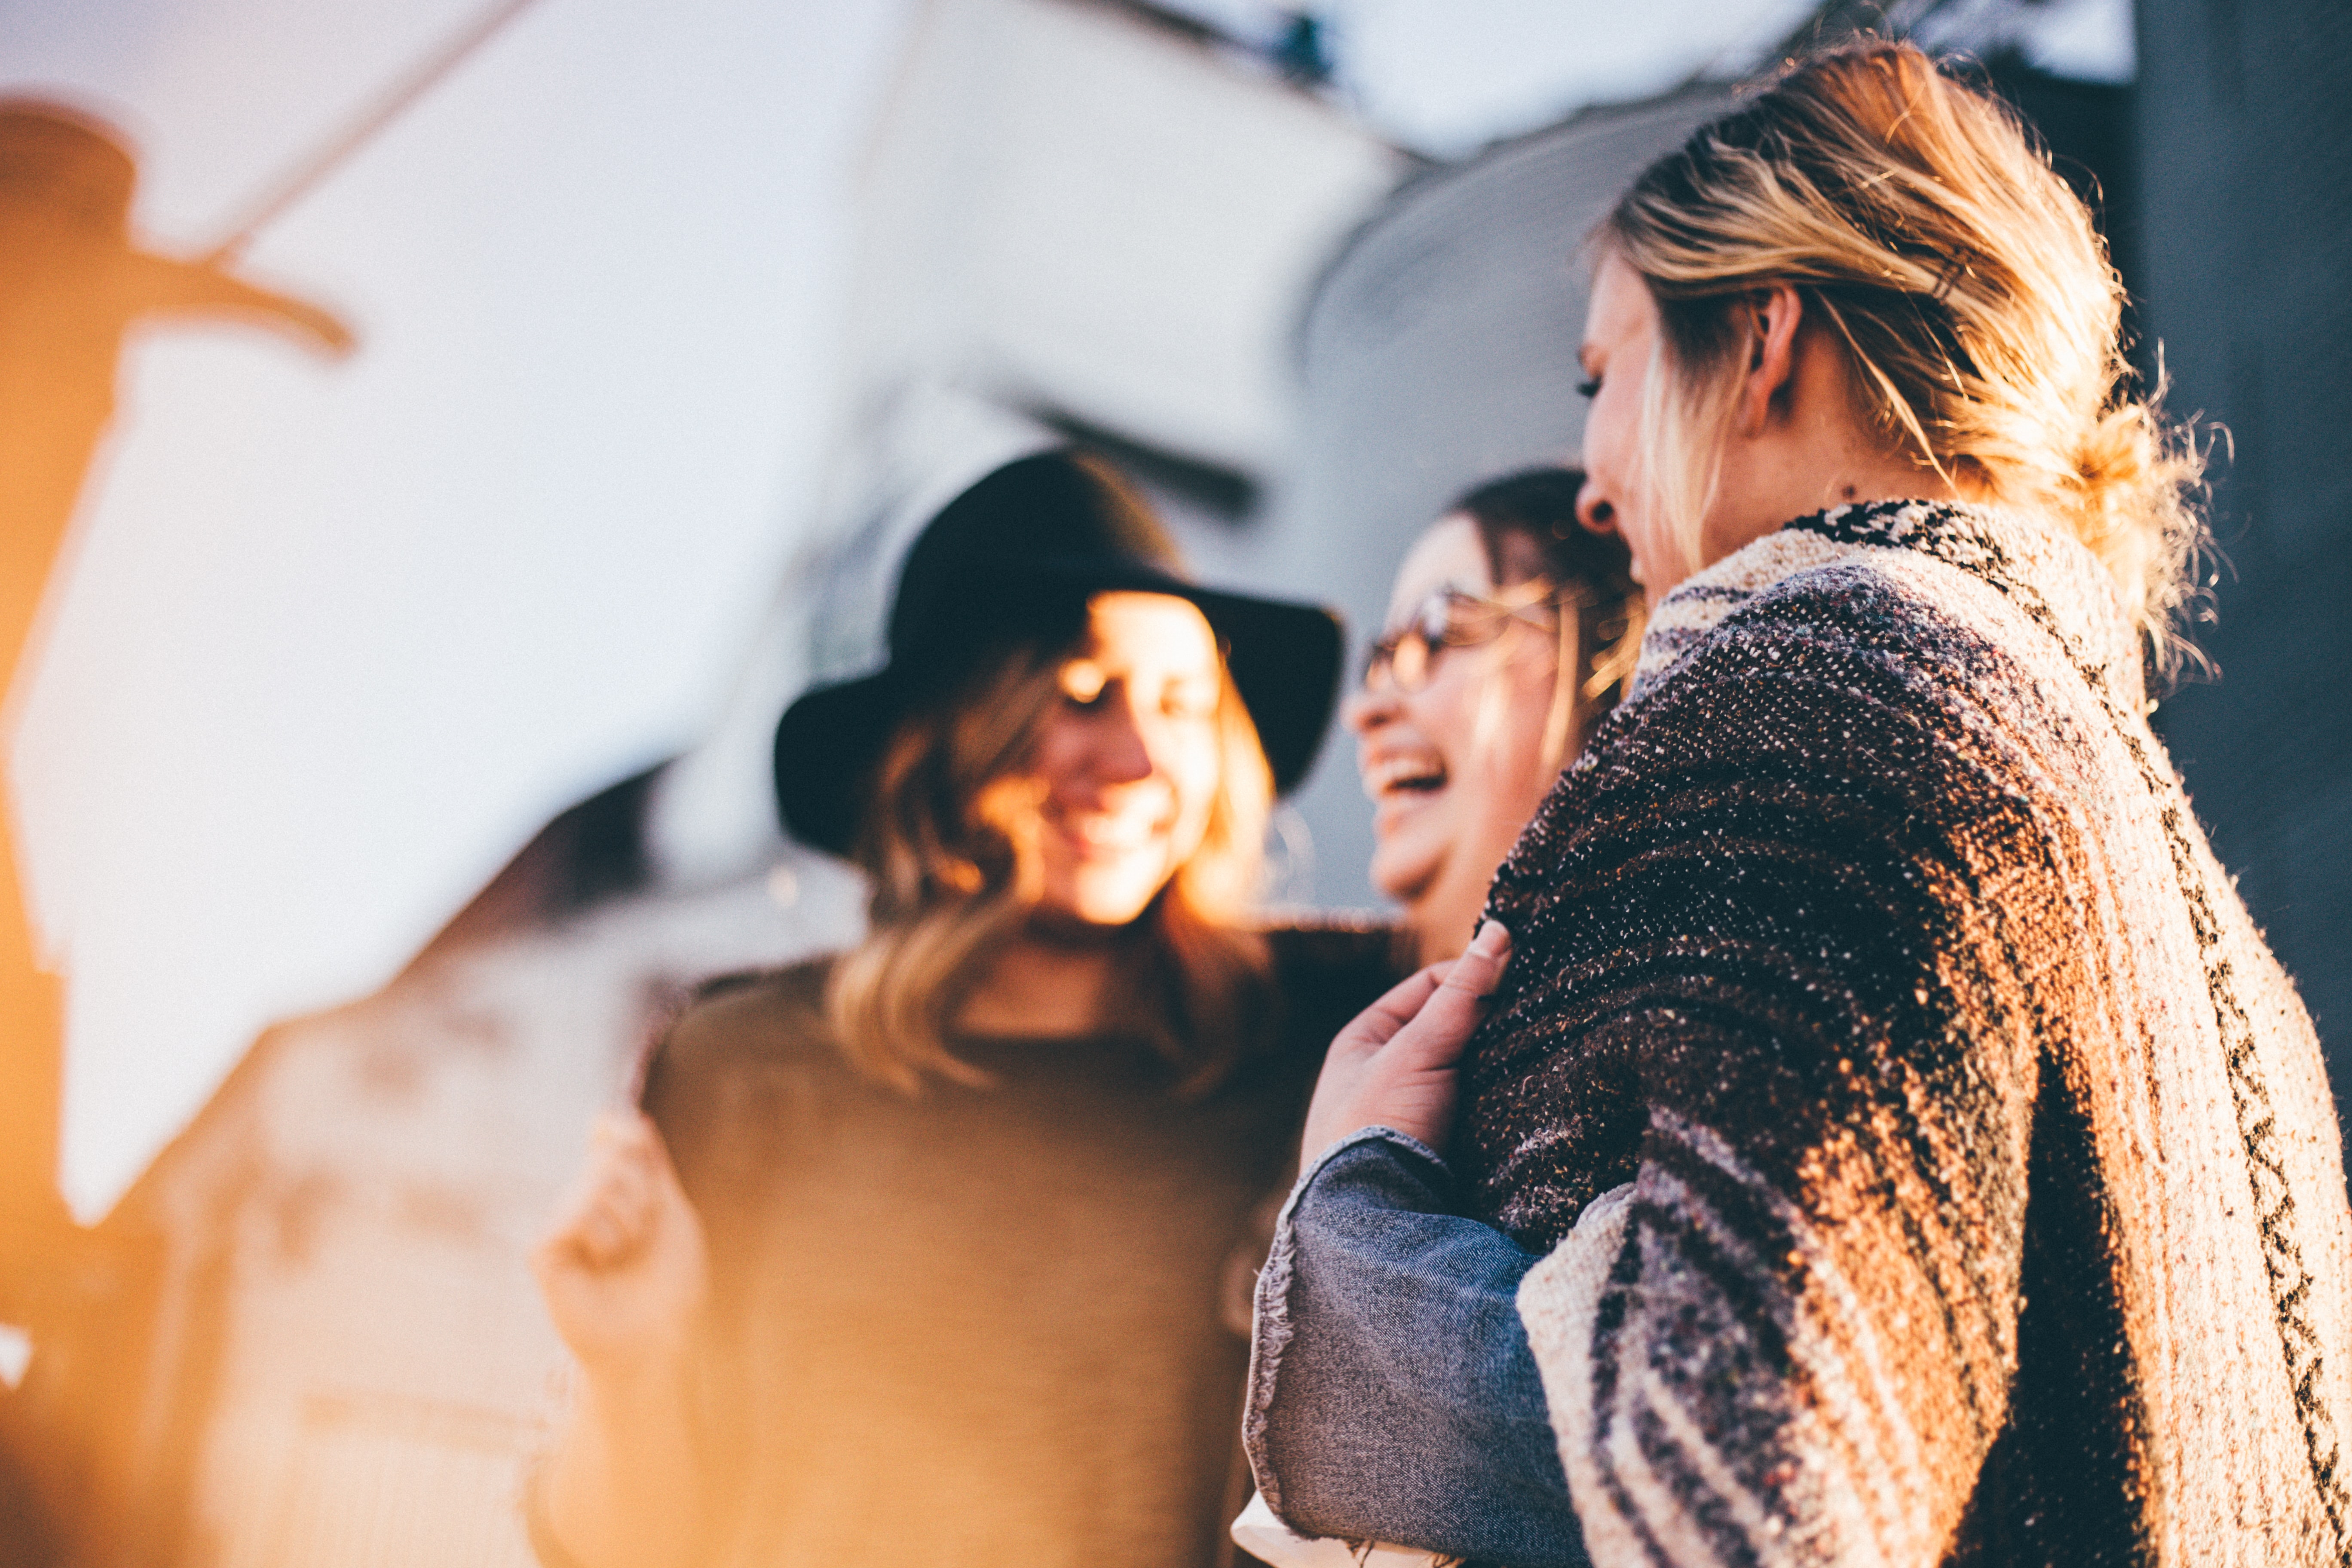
(1480, 968)
(1435, 1037)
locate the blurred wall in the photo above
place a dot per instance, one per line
(2245, 144)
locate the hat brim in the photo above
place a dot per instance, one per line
(1284, 658)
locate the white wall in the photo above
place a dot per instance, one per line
(337, 639)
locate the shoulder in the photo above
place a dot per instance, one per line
(754, 1015)
(1882, 648)
(1333, 949)
(1875, 605)
(1319, 940)
(1815, 697)
(1966, 599)
(748, 1057)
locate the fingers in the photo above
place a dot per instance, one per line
(1393, 1065)
(1435, 1035)
(618, 1212)
(1378, 1023)
(623, 1129)
(617, 1202)
(1480, 968)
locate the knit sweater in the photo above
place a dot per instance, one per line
(1934, 1162)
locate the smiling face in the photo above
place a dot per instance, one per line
(1455, 769)
(1619, 353)
(1126, 764)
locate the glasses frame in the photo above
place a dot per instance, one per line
(1407, 655)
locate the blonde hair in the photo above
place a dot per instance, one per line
(1972, 293)
(950, 841)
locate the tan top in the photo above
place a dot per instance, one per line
(985, 1326)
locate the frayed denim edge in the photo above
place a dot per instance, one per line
(1270, 1332)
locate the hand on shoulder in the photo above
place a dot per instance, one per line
(1395, 1065)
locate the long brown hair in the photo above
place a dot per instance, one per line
(1967, 284)
(950, 842)
(1528, 530)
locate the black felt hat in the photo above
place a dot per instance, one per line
(1012, 561)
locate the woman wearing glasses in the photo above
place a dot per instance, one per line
(1511, 629)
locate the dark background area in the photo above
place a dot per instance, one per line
(2243, 125)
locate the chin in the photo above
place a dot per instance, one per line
(1402, 871)
(1106, 899)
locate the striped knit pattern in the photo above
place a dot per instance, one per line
(1973, 1191)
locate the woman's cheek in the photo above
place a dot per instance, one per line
(1198, 803)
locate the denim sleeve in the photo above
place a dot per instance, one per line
(1392, 1395)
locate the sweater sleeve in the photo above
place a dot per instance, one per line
(1779, 948)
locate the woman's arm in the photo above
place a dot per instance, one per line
(1393, 1392)
(1795, 943)
(624, 1273)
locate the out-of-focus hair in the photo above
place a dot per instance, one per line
(951, 844)
(1527, 525)
(1922, 224)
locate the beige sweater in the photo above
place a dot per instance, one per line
(1934, 1162)
(983, 1326)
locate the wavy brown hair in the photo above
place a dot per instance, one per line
(1981, 320)
(1529, 530)
(950, 842)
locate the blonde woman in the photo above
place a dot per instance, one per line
(1890, 1141)
(925, 1254)
(1511, 629)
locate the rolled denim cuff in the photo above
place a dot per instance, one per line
(1392, 1395)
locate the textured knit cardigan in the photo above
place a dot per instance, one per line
(1933, 1163)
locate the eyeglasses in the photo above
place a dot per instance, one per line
(1406, 657)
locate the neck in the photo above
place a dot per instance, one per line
(1797, 488)
(1806, 449)
(1041, 985)
(1445, 916)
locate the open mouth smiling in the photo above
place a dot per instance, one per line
(1407, 774)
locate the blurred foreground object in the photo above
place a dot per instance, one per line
(71, 285)
(1072, 218)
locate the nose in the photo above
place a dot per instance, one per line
(1368, 707)
(1122, 752)
(1593, 511)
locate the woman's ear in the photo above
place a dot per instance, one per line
(1775, 315)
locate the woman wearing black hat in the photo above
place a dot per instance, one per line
(933, 1252)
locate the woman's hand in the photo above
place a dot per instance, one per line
(623, 1270)
(625, 1273)
(1393, 1066)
